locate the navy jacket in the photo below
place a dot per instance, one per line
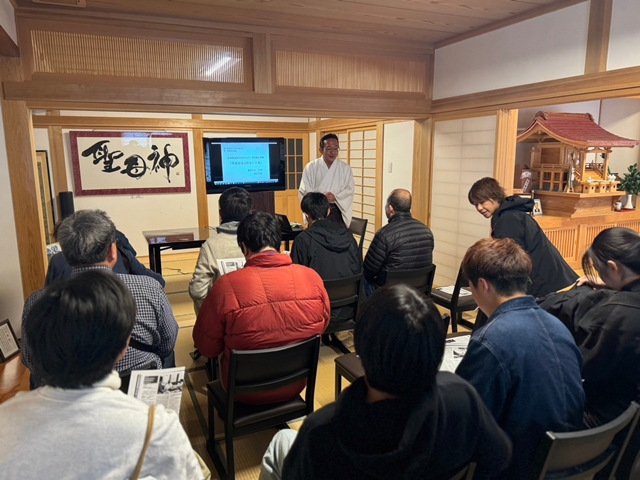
(59, 268)
(526, 367)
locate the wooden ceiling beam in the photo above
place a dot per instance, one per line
(8, 47)
(41, 93)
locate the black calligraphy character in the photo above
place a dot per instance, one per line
(169, 161)
(136, 167)
(154, 157)
(100, 153)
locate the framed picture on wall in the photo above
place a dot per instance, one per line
(9, 347)
(128, 163)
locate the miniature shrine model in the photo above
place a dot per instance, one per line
(570, 164)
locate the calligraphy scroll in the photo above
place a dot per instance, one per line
(127, 163)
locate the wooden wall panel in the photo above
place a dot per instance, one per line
(422, 170)
(316, 70)
(24, 185)
(565, 240)
(102, 55)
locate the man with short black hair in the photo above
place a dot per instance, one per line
(402, 419)
(333, 178)
(403, 244)
(524, 362)
(80, 426)
(88, 242)
(269, 303)
(235, 203)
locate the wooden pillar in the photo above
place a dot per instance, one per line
(422, 170)
(18, 128)
(201, 181)
(598, 37)
(58, 163)
(262, 63)
(505, 156)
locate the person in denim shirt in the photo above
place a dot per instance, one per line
(524, 362)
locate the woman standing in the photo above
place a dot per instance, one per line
(510, 218)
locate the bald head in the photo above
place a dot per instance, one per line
(400, 201)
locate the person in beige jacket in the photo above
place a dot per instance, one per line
(235, 204)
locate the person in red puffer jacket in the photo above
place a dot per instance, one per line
(269, 303)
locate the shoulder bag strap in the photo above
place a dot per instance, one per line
(147, 441)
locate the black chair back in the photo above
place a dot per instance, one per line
(420, 278)
(358, 227)
(255, 371)
(580, 455)
(344, 291)
(461, 282)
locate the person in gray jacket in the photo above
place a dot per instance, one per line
(235, 204)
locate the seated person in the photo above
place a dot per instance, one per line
(524, 363)
(88, 241)
(126, 263)
(510, 218)
(404, 244)
(605, 323)
(234, 204)
(269, 303)
(403, 418)
(327, 247)
(80, 426)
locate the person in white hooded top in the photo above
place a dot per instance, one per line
(80, 425)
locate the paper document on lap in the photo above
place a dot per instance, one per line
(227, 265)
(454, 350)
(449, 290)
(158, 387)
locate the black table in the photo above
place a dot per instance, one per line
(174, 239)
(290, 236)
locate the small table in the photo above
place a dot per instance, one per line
(174, 239)
(289, 236)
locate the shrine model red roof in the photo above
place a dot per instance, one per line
(577, 129)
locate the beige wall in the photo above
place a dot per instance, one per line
(463, 153)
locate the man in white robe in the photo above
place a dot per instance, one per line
(332, 177)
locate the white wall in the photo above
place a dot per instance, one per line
(397, 159)
(548, 47)
(11, 298)
(625, 35)
(8, 19)
(463, 153)
(622, 117)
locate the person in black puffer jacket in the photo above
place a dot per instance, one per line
(510, 218)
(404, 244)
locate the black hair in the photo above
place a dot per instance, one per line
(78, 327)
(326, 137)
(400, 200)
(85, 237)
(235, 203)
(315, 205)
(259, 230)
(400, 336)
(501, 262)
(486, 188)
(622, 245)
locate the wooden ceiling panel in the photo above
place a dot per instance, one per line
(427, 22)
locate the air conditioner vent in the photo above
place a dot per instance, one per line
(63, 3)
